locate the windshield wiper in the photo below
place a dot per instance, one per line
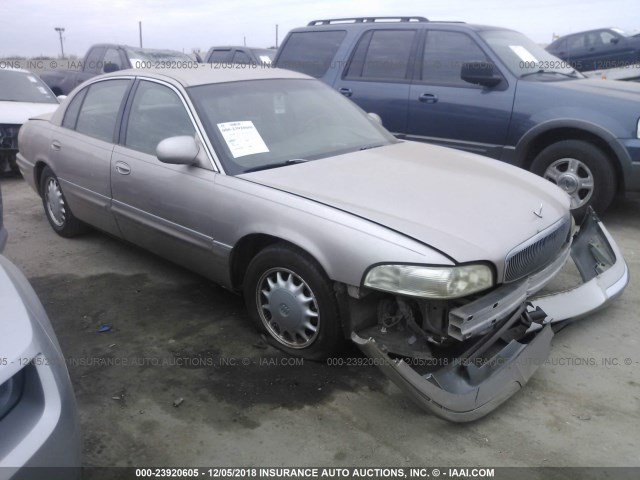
(573, 74)
(375, 145)
(291, 161)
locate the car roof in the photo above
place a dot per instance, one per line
(242, 47)
(206, 73)
(388, 22)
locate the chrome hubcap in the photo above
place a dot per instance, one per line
(55, 202)
(574, 177)
(288, 308)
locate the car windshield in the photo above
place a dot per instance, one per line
(523, 57)
(626, 33)
(260, 124)
(156, 55)
(18, 86)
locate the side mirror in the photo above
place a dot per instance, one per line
(111, 67)
(615, 40)
(181, 150)
(479, 73)
(61, 98)
(375, 117)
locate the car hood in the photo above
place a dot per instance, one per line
(595, 86)
(469, 207)
(17, 113)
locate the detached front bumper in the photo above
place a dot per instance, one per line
(502, 360)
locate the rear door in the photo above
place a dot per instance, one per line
(378, 77)
(164, 208)
(446, 110)
(81, 150)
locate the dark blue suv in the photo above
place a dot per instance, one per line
(483, 89)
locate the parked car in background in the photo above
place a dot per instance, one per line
(600, 49)
(240, 55)
(482, 89)
(39, 424)
(272, 184)
(22, 95)
(105, 58)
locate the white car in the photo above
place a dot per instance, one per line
(39, 427)
(22, 96)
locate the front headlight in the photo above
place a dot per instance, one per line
(638, 129)
(430, 282)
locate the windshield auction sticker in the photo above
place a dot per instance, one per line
(524, 54)
(242, 138)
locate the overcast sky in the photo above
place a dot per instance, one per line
(28, 25)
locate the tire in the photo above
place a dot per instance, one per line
(296, 284)
(582, 170)
(60, 217)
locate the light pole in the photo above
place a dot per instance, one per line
(60, 31)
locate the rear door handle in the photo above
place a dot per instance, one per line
(55, 145)
(122, 168)
(428, 98)
(346, 91)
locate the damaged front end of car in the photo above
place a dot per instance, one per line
(460, 358)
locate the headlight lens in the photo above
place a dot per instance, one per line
(638, 129)
(430, 282)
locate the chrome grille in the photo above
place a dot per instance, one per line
(538, 251)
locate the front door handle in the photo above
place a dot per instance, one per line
(122, 168)
(346, 91)
(428, 98)
(55, 145)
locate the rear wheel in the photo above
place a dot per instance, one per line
(55, 205)
(289, 297)
(582, 170)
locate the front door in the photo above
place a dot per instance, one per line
(446, 110)
(164, 208)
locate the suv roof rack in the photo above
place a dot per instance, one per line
(331, 21)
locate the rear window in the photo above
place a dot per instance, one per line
(310, 52)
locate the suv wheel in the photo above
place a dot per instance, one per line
(580, 169)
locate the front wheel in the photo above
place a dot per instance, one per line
(289, 297)
(55, 205)
(582, 170)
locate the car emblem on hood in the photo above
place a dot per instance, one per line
(538, 213)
